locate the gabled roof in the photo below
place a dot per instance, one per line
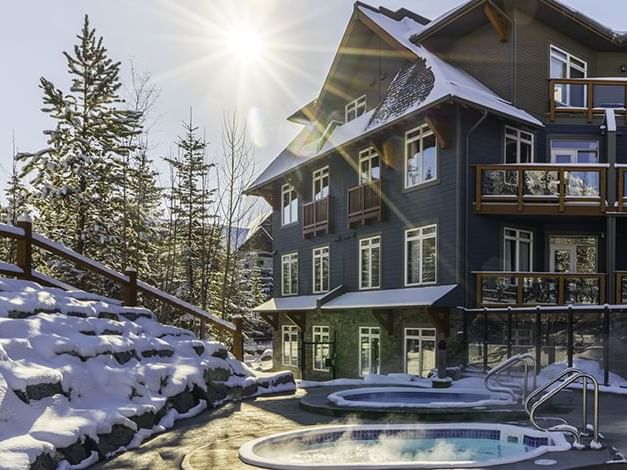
(446, 83)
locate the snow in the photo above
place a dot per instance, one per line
(67, 374)
(278, 304)
(414, 296)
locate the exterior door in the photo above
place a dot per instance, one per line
(369, 351)
(419, 350)
(563, 259)
(573, 253)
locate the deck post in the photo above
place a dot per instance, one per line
(238, 338)
(569, 334)
(509, 332)
(24, 252)
(485, 339)
(130, 289)
(606, 345)
(538, 337)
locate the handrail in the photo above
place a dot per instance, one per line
(509, 387)
(567, 428)
(589, 84)
(542, 388)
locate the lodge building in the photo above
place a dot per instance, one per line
(472, 161)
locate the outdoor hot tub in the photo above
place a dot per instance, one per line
(413, 397)
(460, 445)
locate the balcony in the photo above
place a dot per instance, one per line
(588, 96)
(535, 288)
(540, 189)
(622, 188)
(317, 218)
(364, 203)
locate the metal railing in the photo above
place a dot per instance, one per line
(573, 376)
(516, 391)
(517, 289)
(588, 96)
(540, 189)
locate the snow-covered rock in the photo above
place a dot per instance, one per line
(83, 377)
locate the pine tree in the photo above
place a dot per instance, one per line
(76, 179)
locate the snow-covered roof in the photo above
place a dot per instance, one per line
(289, 304)
(445, 82)
(390, 298)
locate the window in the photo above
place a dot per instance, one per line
(289, 204)
(321, 183)
(321, 350)
(320, 269)
(369, 351)
(355, 108)
(566, 65)
(369, 169)
(575, 151)
(518, 250)
(420, 255)
(289, 273)
(290, 345)
(370, 263)
(419, 350)
(518, 146)
(421, 156)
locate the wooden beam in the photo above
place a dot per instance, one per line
(272, 319)
(385, 319)
(438, 125)
(498, 21)
(299, 320)
(441, 319)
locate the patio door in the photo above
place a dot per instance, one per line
(369, 350)
(419, 350)
(573, 254)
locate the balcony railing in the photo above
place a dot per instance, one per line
(621, 287)
(535, 288)
(538, 189)
(317, 217)
(622, 188)
(587, 95)
(364, 203)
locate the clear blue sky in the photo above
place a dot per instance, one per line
(185, 44)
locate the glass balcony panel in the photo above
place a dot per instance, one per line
(541, 183)
(499, 183)
(609, 96)
(583, 290)
(582, 183)
(499, 290)
(540, 291)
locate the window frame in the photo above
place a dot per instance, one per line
(519, 139)
(421, 237)
(517, 239)
(369, 335)
(285, 189)
(370, 285)
(285, 257)
(318, 252)
(569, 63)
(422, 134)
(320, 333)
(319, 175)
(353, 107)
(421, 336)
(575, 151)
(290, 329)
(367, 155)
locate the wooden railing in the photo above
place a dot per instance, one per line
(540, 189)
(621, 287)
(518, 289)
(130, 286)
(587, 95)
(317, 217)
(364, 202)
(622, 188)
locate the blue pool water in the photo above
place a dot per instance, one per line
(416, 396)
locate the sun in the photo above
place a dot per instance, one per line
(245, 44)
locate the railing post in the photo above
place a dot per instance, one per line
(478, 189)
(569, 333)
(562, 189)
(24, 252)
(606, 345)
(538, 345)
(238, 338)
(552, 100)
(519, 188)
(130, 289)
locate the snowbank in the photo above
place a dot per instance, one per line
(83, 378)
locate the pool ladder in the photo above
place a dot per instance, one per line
(494, 378)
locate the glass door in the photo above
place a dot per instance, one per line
(369, 351)
(573, 254)
(419, 350)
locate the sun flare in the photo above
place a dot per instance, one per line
(245, 44)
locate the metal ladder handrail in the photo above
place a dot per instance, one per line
(509, 387)
(568, 428)
(542, 388)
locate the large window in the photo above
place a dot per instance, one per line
(320, 269)
(369, 166)
(421, 255)
(289, 274)
(290, 345)
(289, 204)
(370, 263)
(566, 65)
(369, 350)
(355, 108)
(419, 350)
(518, 146)
(321, 347)
(574, 151)
(518, 250)
(321, 183)
(421, 156)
